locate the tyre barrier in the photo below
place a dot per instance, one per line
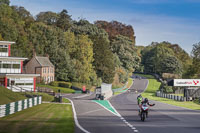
(170, 96)
(14, 107)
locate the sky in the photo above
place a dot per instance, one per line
(175, 21)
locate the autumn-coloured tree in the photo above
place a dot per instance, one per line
(115, 28)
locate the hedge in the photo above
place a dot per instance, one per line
(65, 84)
(55, 83)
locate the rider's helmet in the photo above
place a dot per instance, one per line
(146, 100)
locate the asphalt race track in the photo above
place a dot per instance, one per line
(163, 118)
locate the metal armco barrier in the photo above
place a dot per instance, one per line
(169, 96)
(14, 107)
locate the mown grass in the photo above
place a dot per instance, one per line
(7, 96)
(146, 76)
(45, 97)
(44, 118)
(154, 86)
(55, 89)
(117, 86)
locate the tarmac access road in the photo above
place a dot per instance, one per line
(163, 118)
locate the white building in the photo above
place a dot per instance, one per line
(11, 69)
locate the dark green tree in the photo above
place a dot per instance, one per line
(171, 64)
(48, 17)
(126, 52)
(64, 20)
(193, 70)
(104, 59)
(7, 2)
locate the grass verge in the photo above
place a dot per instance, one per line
(55, 89)
(43, 118)
(154, 86)
(130, 82)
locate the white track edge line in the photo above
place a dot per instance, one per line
(75, 118)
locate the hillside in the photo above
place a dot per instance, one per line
(7, 96)
(71, 44)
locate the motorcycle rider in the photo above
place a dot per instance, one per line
(139, 99)
(146, 102)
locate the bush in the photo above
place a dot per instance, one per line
(167, 89)
(65, 84)
(54, 83)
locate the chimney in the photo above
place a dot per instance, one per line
(47, 55)
(34, 53)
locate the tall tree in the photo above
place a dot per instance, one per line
(64, 20)
(115, 28)
(7, 2)
(171, 64)
(127, 54)
(48, 17)
(104, 59)
(84, 58)
(193, 70)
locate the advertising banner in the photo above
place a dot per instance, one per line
(186, 82)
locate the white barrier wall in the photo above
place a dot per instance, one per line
(14, 107)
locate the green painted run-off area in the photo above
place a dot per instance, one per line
(106, 104)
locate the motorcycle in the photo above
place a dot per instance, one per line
(144, 111)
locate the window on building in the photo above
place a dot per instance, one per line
(19, 83)
(16, 66)
(52, 70)
(28, 83)
(44, 70)
(3, 49)
(6, 65)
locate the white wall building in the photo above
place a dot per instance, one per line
(11, 69)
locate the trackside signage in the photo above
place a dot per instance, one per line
(186, 82)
